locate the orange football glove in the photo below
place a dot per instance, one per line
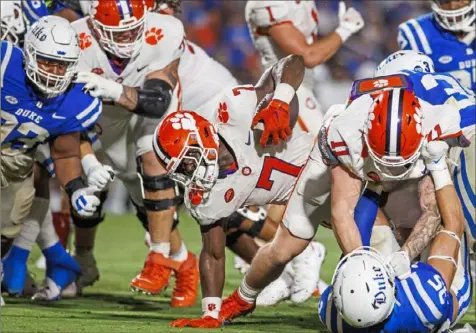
(205, 322)
(275, 117)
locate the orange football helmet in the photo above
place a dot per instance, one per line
(188, 145)
(119, 25)
(394, 134)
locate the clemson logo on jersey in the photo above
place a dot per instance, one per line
(84, 41)
(223, 114)
(229, 195)
(246, 171)
(153, 36)
(183, 121)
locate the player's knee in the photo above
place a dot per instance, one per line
(233, 237)
(258, 218)
(93, 221)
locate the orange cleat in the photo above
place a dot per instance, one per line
(155, 275)
(234, 306)
(205, 322)
(186, 285)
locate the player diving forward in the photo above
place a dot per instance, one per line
(368, 296)
(447, 36)
(362, 142)
(223, 167)
(40, 104)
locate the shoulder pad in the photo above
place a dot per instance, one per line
(267, 13)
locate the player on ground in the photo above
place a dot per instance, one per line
(57, 113)
(279, 28)
(224, 168)
(131, 59)
(368, 295)
(447, 36)
(376, 151)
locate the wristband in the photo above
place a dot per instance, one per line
(284, 92)
(211, 306)
(441, 178)
(89, 162)
(74, 185)
(117, 90)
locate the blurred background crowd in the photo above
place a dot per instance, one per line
(219, 27)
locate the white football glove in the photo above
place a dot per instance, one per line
(350, 22)
(401, 264)
(99, 175)
(84, 201)
(434, 154)
(98, 86)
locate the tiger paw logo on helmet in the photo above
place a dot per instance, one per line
(153, 36)
(84, 41)
(183, 121)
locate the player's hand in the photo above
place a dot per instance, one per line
(350, 22)
(205, 322)
(434, 154)
(275, 117)
(98, 86)
(84, 202)
(401, 264)
(100, 176)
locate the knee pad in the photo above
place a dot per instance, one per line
(158, 183)
(384, 241)
(93, 221)
(141, 214)
(233, 237)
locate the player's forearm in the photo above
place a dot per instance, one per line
(128, 99)
(65, 153)
(345, 229)
(67, 169)
(428, 223)
(450, 209)
(289, 70)
(322, 50)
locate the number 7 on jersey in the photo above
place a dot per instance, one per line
(271, 164)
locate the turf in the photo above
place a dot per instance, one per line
(109, 306)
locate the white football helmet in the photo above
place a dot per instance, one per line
(53, 39)
(462, 19)
(364, 288)
(13, 25)
(405, 60)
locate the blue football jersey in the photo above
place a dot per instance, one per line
(449, 54)
(28, 119)
(422, 305)
(34, 10)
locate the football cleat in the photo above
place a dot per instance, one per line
(241, 265)
(306, 267)
(186, 285)
(154, 277)
(234, 306)
(31, 286)
(49, 291)
(89, 269)
(278, 290)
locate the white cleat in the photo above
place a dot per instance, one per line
(241, 265)
(70, 291)
(307, 267)
(30, 287)
(465, 329)
(278, 290)
(89, 269)
(49, 291)
(41, 262)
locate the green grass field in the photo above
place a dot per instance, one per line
(109, 306)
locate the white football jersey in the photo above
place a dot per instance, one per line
(164, 42)
(261, 15)
(345, 136)
(263, 175)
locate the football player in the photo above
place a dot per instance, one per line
(131, 59)
(447, 36)
(368, 295)
(42, 105)
(391, 118)
(279, 28)
(223, 166)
